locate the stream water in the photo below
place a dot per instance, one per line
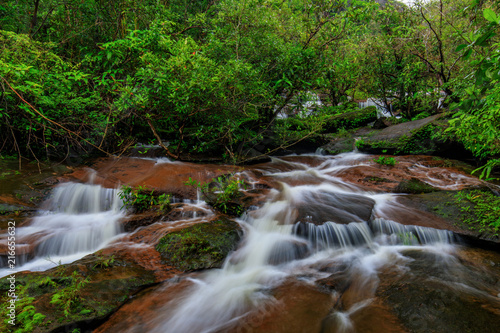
(318, 233)
(280, 244)
(77, 220)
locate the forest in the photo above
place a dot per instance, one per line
(211, 77)
(180, 166)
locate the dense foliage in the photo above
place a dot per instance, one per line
(215, 76)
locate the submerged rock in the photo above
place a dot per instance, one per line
(200, 246)
(287, 251)
(321, 207)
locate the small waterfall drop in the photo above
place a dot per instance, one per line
(79, 219)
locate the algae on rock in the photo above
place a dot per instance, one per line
(200, 246)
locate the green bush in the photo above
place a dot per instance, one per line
(221, 193)
(385, 160)
(141, 199)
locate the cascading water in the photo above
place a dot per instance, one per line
(282, 242)
(79, 219)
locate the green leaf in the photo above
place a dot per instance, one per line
(481, 41)
(490, 15)
(460, 47)
(467, 53)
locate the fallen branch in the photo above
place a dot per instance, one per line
(169, 153)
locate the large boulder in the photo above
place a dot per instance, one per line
(80, 295)
(320, 207)
(413, 137)
(443, 297)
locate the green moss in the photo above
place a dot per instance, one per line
(414, 186)
(421, 141)
(481, 211)
(350, 120)
(200, 246)
(377, 179)
(69, 294)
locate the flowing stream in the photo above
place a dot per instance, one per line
(315, 220)
(319, 233)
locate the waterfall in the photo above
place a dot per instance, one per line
(334, 235)
(277, 247)
(79, 219)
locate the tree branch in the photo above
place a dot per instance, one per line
(160, 142)
(52, 121)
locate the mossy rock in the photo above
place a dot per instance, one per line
(89, 290)
(351, 120)
(338, 146)
(465, 217)
(200, 246)
(414, 137)
(231, 208)
(414, 186)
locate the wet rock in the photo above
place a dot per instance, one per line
(424, 303)
(140, 220)
(414, 186)
(183, 212)
(296, 306)
(321, 207)
(163, 176)
(6, 209)
(30, 184)
(200, 246)
(287, 251)
(79, 295)
(141, 313)
(442, 205)
(413, 137)
(434, 171)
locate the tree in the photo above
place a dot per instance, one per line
(476, 123)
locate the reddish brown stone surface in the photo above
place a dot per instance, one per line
(143, 313)
(165, 177)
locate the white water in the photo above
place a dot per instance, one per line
(79, 219)
(276, 248)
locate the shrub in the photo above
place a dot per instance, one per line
(141, 199)
(385, 160)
